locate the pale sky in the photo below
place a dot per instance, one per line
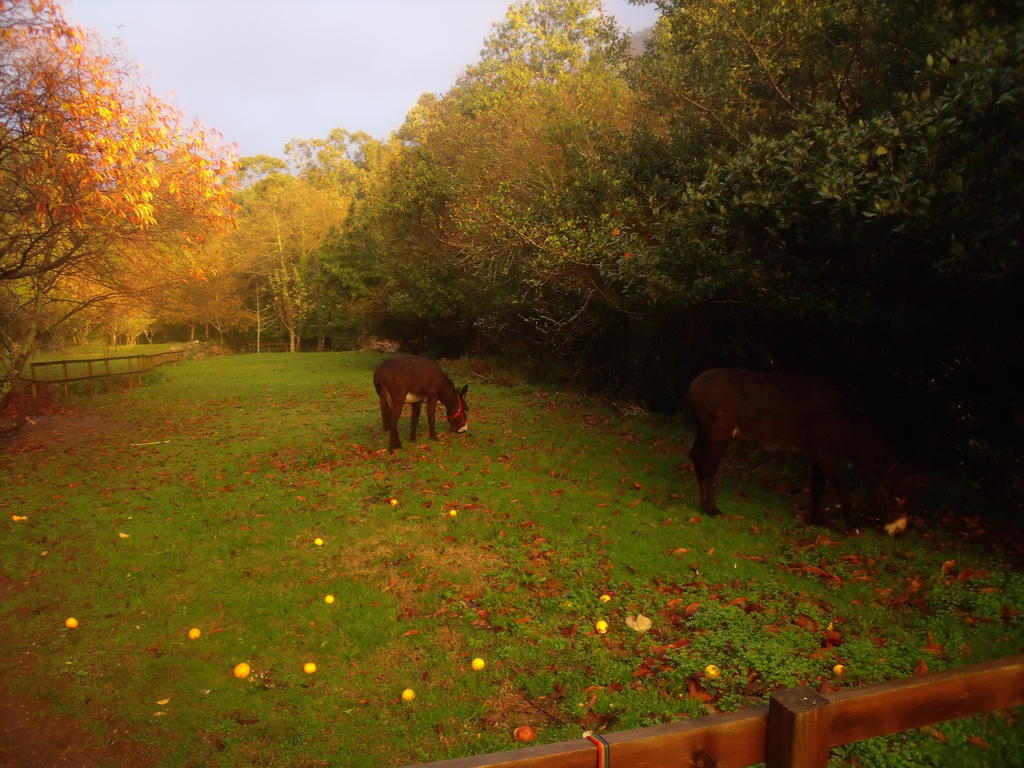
(262, 72)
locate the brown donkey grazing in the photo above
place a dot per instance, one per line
(797, 413)
(415, 380)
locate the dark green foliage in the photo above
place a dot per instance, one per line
(826, 187)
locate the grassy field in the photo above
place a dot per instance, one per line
(102, 350)
(120, 360)
(197, 502)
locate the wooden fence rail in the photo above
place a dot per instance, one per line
(796, 730)
(137, 366)
(269, 346)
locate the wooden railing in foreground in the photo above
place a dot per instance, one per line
(136, 366)
(796, 730)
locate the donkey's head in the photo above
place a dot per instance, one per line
(459, 418)
(894, 496)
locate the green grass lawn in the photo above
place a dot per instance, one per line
(195, 502)
(102, 350)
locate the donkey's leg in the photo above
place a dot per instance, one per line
(414, 419)
(393, 440)
(394, 414)
(839, 483)
(816, 517)
(390, 426)
(707, 455)
(826, 466)
(431, 414)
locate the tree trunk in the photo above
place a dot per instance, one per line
(10, 382)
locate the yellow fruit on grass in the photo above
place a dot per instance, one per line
(601, 626)
(453, 512)
(71, 622)
(194, 633)
(309, 667)
(318, 541)
(393, 502)
(408, 694)
(839, 670)
(605, 598)
(242, 670)
(712, 672)
(329, 599)
(477, 664)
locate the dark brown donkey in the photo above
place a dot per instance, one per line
(796, 413)
(415, 380)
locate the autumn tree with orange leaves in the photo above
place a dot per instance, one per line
(103, 189)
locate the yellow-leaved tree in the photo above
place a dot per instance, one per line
(103, 187)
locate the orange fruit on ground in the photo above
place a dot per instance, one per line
(393, 502)
(524, 733)
(477, 664)
(712, 672)
(242, 670)
(839, 670)
(71, 622)
(605, 598)
(194, 633)
(309, 667)
(318, 541)
(408, 694)
(328, 599)
(601, 626)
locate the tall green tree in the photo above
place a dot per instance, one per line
(491, 204)
(282, 222)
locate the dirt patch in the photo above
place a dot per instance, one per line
(22, 410)
(510, 707)
(380, 560)
(53, 427)
(31, 736)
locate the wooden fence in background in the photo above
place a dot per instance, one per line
(796, 729)
(128, 368)
(269, 346)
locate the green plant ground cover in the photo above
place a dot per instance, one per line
(196, 502)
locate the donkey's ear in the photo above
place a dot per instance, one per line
(464, 390)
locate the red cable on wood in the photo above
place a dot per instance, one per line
(604, 749)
